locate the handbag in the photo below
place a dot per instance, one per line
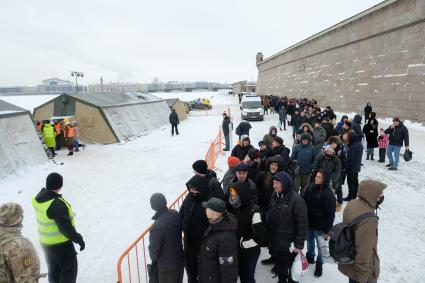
(407, 155)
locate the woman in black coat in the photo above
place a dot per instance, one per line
(353, 163)
(320, 201)
(371, 132)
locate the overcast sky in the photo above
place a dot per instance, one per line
(136, 40)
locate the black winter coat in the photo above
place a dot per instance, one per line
(398, 135)
(192, 214)
(174, 118)
(226, 126)
(165, 240)
(241, 152)
(243, 128)
(320, 202)
(354, 155)
(331, 166)
(281, 151)
(371, 133)
(287, 221)
(214, 186)
(218, 255)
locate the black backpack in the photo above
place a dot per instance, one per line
(342, 246)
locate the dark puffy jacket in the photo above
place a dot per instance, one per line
(329, 128)
(243, 128)
(398, 135)
(354, 155)
(371, 133)
(226, 126)
(305, 155)
(264, 182)
(174, 118)
(253, 170)
(241, 152)
(287, 217)
(165, 240)
(320, 201)
(218, 256)
(332, 166)
(268, 138)
(244, 213)
(194, 218)
(355, 125)
(252, 186)
(214, 186)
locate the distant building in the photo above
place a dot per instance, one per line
(244, 86)
(118, 87)
(55, 85)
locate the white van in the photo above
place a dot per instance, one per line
(252, 108)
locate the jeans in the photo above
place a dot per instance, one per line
(280, 124)
(247, 263)
(227, 140)
(353, 184)
(76, 144)
(396, 150)
(311, 244)
(370, 150)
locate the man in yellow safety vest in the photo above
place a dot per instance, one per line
(56, 228)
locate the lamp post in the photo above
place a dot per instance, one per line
(76, 75)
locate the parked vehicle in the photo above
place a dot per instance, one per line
(252, 108)
(204, 104)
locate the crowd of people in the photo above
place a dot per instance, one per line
(274, 197)
(60, 133)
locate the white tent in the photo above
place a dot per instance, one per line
(20, 146)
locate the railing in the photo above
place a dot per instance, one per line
(128, 266)
(134, 274)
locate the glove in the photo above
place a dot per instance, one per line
(247, 244)
(256, 218)
(82, 246)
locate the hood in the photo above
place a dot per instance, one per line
(278, 159)
(373, 115)
(244, 192)
(308, 125)
(47, 126)
(285, 179)
(358, 119)
(46, 195)
(201, 184)
(245, 137)
(271, 129)
(343, 117)
(370, 190)
(326, 175)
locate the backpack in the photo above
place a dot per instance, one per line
(342, 245)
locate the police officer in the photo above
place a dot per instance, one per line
(56, 227)
(19, 262)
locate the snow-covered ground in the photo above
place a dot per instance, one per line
(109, 188)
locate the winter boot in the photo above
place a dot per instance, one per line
(318, 270)
(338, 207)
(268, 261)
(371, 157)
(392, 168)
(310, 259)
(389, 165)
(70, 153)
(367, 157)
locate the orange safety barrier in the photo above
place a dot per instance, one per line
(132, 272)
(214, 150)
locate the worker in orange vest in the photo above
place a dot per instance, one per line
(69, 138)
(59, 134)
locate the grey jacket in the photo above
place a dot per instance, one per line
(165, 240)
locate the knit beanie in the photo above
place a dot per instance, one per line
(54, 181)
(158, 202)
(233, 161)
(200, 166)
